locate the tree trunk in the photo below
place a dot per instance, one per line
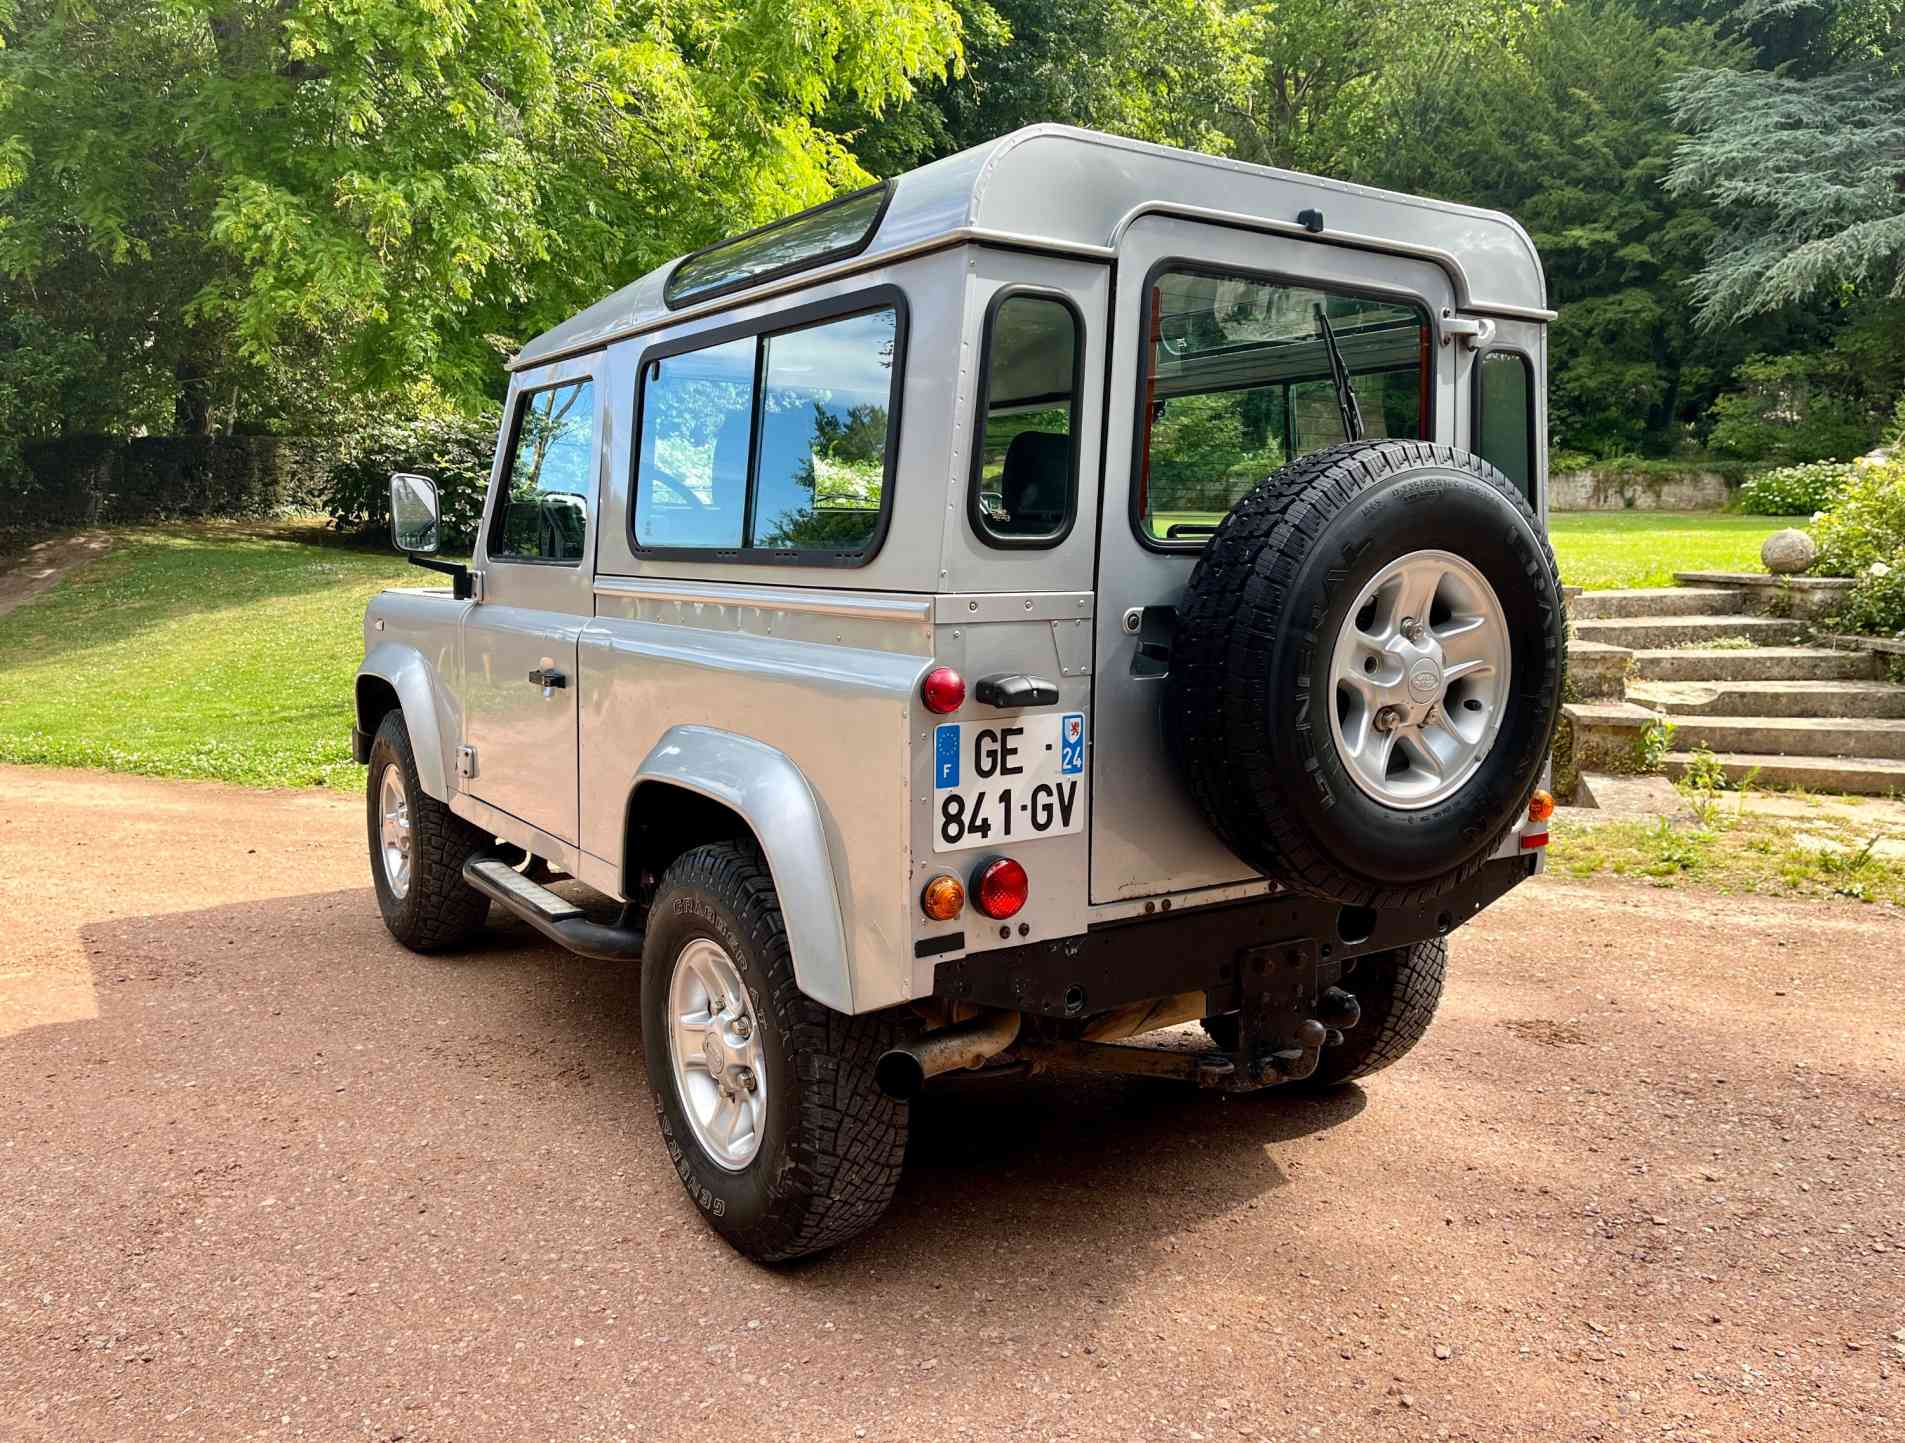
(192, 402)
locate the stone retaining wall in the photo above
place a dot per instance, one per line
(1601, 489)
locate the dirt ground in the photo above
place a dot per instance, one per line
(264, 1175)
(39, 568)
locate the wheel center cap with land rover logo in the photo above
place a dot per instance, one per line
(1425, 680)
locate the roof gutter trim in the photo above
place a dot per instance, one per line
(1458, 278)
(866, 261)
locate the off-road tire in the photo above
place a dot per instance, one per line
(1398, 990)
(832, 1143)
(440, 910)
(1253, 647)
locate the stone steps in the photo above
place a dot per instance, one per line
(1669, 631)
(1793, 715)
(1763, 663)
(1855, 776)
(1870, 699)
(1790, 736)
(1655, 601)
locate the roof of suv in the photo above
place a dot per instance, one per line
(1059, 188)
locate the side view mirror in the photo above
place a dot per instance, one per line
(414, 513)
(416, 526)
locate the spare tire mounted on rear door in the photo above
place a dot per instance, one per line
(1367, 668)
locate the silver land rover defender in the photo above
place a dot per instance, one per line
(1073, 589)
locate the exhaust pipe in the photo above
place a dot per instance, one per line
(902, 1072)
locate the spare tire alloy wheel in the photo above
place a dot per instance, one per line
(1366, 673)
(1419, 679)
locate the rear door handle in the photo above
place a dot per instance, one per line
(547, 677)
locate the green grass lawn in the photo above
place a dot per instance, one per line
(208, 651)
(1603, 549)
(227, 651)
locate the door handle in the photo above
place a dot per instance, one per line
(547, 677)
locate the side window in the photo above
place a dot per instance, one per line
(777, 443)
(543, 514)
(1025, 466)
(826, 421)
(1505, 416)
(697, 428)
(1238, 383)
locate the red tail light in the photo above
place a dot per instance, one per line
(1000, 887)
(943, 690)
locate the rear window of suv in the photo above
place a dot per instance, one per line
(1237, 383)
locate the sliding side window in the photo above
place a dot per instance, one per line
(1237, 382)
(775, 446)
(1024, 487)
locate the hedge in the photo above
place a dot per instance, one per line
(89, 480)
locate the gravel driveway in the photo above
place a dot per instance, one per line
(265, 1175)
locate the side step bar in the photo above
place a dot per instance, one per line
(550, 913)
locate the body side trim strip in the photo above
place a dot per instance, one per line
(872, 606)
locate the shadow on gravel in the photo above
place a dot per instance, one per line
(290, 1049)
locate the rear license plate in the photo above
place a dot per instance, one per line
(1000, 782)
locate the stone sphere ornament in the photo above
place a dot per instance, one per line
(1788, 552)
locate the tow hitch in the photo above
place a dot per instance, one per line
(1291, 1009)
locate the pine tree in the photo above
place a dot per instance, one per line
(1805, 165)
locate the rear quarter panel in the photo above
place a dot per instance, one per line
(827, 678)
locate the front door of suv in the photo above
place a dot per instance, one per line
(1218, 377)
(519, 642)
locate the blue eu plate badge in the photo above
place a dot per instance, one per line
(946, 756)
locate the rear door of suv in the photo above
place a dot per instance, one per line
(1218, 377)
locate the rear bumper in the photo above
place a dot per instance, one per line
(1197, 949)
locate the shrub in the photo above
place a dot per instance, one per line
(1865, 524)
(1877, 604)
(1795, 490)
(454, 451)
(88, 480)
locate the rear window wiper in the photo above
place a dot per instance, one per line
(1339, 378)
(1179, 529)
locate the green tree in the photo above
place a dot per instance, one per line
(1806, 162)
(1158, 70)
(243, 195)
(1321, 78)
(1570, 132)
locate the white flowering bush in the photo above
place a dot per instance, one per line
(1795, 490)
(1877, 604)
(1862, 535)
(1866, 523)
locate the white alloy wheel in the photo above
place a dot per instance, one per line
(394, 836)
(1419, 679)
(714, 1043)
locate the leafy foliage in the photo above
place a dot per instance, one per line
(1794, 490)
(1877, 604)
(226, 198)
(1805, 168)
(1865, 525)
(453, 450)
